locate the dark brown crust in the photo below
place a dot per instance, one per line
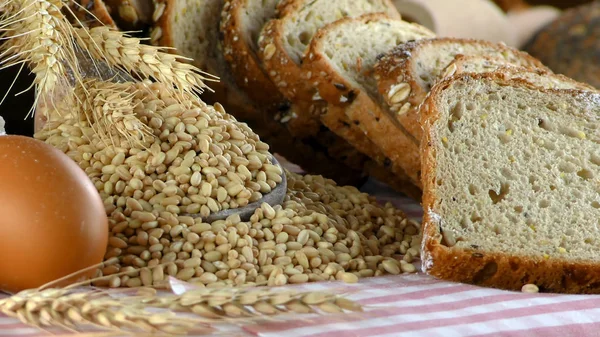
(569, 44)
(396, 67)
(504, 271)
(243, 60)
(164, 22)
(367, 122)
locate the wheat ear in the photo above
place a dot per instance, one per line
(147, 62)
(109, 109)
(75, 308)
(37, 33)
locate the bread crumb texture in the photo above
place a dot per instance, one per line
(518, 170)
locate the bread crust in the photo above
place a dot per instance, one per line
(243, 60)
(473, 266)
(394, 70)
(365, 119)
(508, 70)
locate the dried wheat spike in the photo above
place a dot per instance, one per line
(38, 34)
(220, 303)
(109, 108)
(148, 62)
(76, 308)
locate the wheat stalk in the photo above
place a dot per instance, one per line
(148, 62)
(37, 33)
(75, 309)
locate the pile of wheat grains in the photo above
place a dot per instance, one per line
(190, 160)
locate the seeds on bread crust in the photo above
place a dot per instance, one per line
(402, 66)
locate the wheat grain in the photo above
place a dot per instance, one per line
(148, 62)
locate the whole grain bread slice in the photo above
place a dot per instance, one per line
(341, 58)
(283, 41)
(241, 23)
(192, 28)
(510, 173)
(406, 73)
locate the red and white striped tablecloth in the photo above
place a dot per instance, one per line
(418, 305)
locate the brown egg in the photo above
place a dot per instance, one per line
(52, 219)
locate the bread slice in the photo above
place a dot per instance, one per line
(241, 23)
(283, 41)
(192, 29)
(341, 58)
(406, 73)
(511, 173)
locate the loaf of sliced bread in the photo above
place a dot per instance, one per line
(511, 173)
(341, 58)
(406, 73)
